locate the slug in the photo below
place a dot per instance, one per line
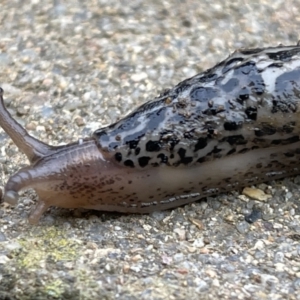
(233, 125)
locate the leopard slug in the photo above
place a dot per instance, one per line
(233, 125)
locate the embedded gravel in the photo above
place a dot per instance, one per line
(70, 67)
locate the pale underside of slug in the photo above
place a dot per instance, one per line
(233, 125)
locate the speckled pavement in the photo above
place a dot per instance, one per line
(70, 67)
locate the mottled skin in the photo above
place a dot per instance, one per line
(232, 125)
(248, 100)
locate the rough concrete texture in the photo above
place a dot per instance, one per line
(70, 67)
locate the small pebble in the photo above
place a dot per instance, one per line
(139, 77)
(23, 110)
(2, 237)
(256, 194)
(253, 216)
(79, 121)
(242, 227)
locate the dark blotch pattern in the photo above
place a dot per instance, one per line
(216, 150)
(183, 159)
(231, 62)
(201, 159)
(231, 151)
(265, 129)
(163, 157)
(133, 144)
(244, 150)
(251, 51)
(235, 140)
(216, 113)
(289, 128)
(275, 65)
(153, 146)
(201, 143)
(283, 55)
(251, 113)
(143, 161)
(129, 163)
(137, 151)
(231, 126)
(243, 95)
(289, 154)
(118, 157)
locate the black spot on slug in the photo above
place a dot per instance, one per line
(244, 150)
(289, 154)
(230, 63)
(283, 105)
(129, 163)
(245, 68)
(283, 55)
(251, 51)
(173, 142)
(259, 89)
(251, 112)
(155, 164)
(216, 150)
(137, 151)
(201, 159)
(163, 157)
(183, 159)
(231, 151)
(182, 86)
(266, 129)
(133, 143)
(275, 65)
(118, 157)
(291, 140)
(243, 95)
(143, 161)
(232, 125)
(208, 77)
(153, 146)
(201, 143)
(276, 142)
(289, 128)
(235, 140)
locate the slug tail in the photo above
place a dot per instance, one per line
(30, 146)
(15, 183)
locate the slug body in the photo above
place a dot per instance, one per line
(233, 125)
